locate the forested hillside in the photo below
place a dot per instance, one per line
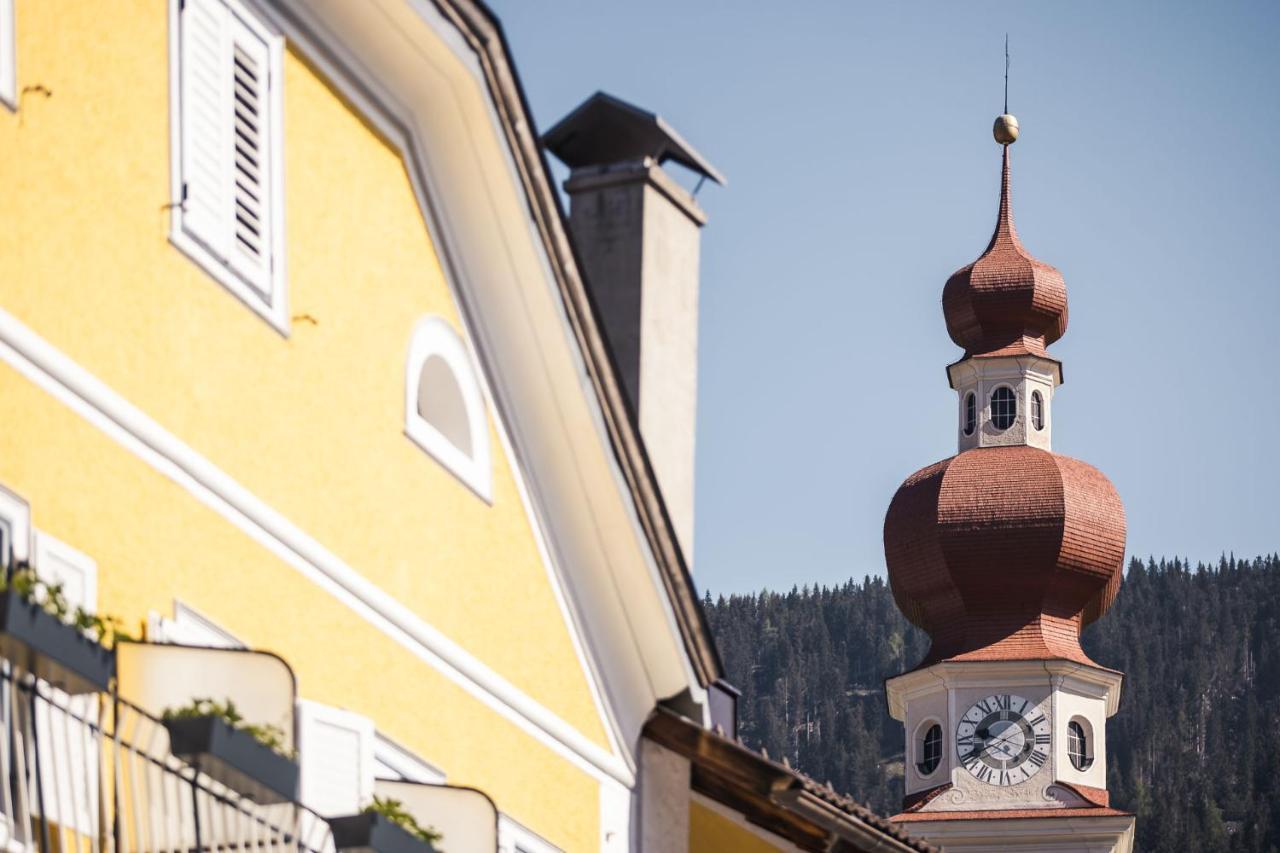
(1194, 750)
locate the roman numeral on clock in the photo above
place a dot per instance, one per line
(1037, 758)
(1037, 721)
(1042, 738)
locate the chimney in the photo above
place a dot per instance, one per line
(636, 231)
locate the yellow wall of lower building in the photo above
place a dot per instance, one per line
(312, 423)
(710, 832)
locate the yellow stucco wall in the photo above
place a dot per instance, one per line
(710, 832)
(311, 424)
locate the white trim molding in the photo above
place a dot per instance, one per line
(472, 464)
(207, 233)
(53, 371)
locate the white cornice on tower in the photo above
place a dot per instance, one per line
(1095, 681)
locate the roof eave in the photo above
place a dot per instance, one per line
(479, 24)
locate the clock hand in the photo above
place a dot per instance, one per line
(1002, 742)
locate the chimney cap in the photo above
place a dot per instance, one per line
(604, 130)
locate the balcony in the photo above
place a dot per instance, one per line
(87, 769)
(94, 772)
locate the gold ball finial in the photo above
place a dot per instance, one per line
(1006, 129)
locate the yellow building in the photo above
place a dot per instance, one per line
(296, 356)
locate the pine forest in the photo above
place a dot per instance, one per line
(1194, 750)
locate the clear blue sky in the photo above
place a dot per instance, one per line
(856, 138)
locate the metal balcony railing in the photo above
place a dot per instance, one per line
(94, 773)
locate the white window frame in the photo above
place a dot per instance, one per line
(918, 747)
(190, 627)
(15, 515)
(275, 309)
(1086, 734)
(515, 838)
(1035, 410)
(433, 336)
(399, 761)
(8, 55)
(47, 549)
(991, 407)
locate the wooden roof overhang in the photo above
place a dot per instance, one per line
(773, 796)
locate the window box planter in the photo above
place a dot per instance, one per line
(234, 758)
(372, 833)
(50, 649)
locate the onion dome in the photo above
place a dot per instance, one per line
(1006, 302)
(1005, 553)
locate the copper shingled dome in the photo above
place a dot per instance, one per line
(1005, 553)
(1006, 301)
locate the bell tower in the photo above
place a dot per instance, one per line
(1002, 553)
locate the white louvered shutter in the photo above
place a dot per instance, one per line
(336, 758)
(225, 137)
(206, 126)
(251, 157)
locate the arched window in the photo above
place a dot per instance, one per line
(1078, 746)
(1004, 407)
(970, 413)
(443, 404)
(1037, 410)
(930, 750)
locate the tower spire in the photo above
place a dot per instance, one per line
(1004, 218)
(1006, 301)
(1002, 553)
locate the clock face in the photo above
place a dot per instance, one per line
(1003, 740)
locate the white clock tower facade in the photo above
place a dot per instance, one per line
(1003, 553)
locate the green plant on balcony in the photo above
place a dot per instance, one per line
(393, 810)
(51, 597)
(268, 735)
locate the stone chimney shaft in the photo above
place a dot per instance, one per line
(637, 235)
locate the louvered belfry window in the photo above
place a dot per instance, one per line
(227, 162)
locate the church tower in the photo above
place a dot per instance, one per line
(1002, 553)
